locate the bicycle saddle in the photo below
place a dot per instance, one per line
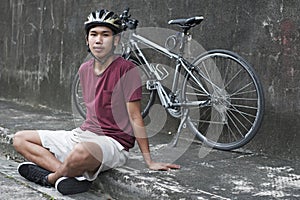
(188, 22)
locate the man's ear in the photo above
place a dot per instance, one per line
(86, 40)
(87, 44)
(117, 39)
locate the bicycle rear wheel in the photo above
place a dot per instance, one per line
(233, 96)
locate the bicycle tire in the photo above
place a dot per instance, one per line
(77, 98)
(234, 99)
(148, 97)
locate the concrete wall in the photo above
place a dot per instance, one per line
(42, 45)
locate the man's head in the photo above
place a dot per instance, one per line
(102, 28)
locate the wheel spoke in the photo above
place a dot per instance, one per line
(236, 127)
(241, 89)
(228, 83)
(241, 112)
(244, 99)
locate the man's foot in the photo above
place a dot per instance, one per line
(34, 173)
(68, 186)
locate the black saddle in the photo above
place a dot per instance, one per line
(188, 22)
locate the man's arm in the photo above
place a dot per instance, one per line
(137, 123)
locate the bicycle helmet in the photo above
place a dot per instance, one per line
(104, 18)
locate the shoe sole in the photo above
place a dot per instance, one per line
(69, 186)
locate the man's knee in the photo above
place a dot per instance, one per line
(21, 137)
(82, 155)
(18, 139)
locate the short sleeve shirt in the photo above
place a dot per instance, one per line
(106, 96)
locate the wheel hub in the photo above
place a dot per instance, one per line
(221, 102)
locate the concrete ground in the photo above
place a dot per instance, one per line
(204, 173)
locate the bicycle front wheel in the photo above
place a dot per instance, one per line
(77, 97)
(232, 97)
(148, 96)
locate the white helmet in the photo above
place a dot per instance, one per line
(104, 18)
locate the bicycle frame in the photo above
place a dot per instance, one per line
(166, 99)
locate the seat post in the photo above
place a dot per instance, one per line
(185, 31)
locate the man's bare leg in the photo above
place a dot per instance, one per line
(84, 157)
(28, 144)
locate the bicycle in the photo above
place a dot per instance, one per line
(220, 98)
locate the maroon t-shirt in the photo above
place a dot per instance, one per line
(106, 96)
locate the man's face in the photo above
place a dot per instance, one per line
(101, 41)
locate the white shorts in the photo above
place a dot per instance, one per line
(61, 143)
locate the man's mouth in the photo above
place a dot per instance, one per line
(98, 49)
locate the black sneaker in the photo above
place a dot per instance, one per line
(68, 186)
(34, 173)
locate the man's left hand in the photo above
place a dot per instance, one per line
(163, 166)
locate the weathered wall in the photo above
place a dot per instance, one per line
(42, 45)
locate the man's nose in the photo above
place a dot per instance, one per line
(99, 39)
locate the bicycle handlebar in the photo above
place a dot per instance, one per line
(127, 22)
